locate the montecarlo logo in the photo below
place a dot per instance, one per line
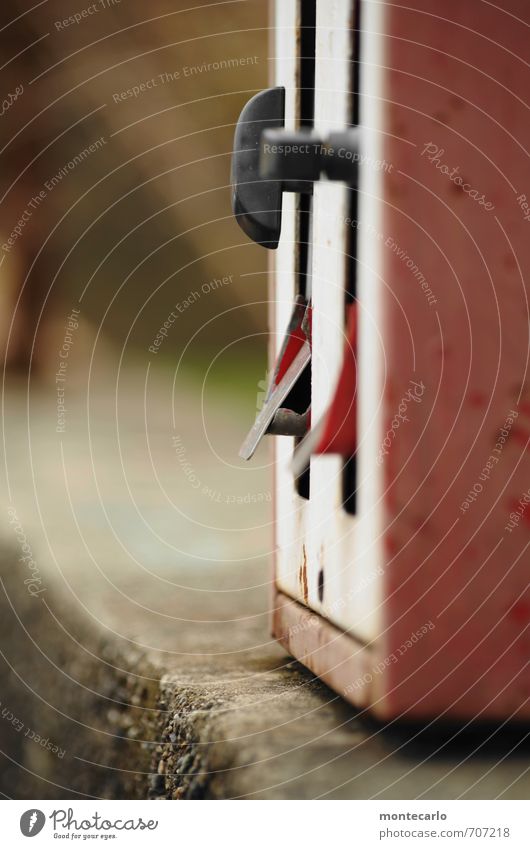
(31, 822)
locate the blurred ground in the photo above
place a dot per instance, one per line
(144, 655)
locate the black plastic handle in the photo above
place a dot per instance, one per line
(257, 202)
(268, 160)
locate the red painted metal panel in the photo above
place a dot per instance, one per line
(454, 420)
(455, 88)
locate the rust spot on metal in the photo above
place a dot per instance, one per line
(521, 435)
(456, 188)
(478, 399)
(520, 612)
(515, 506)
(302, 576)
(524, 406)
(419, 523)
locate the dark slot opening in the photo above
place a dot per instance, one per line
(321, 585)
(349, 472)
(307, 17)
(306, 106)
(356, 62)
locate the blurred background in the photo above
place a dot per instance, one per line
(127, 288)
(143, 220)
(133, 337)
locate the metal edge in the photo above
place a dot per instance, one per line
(332, 655)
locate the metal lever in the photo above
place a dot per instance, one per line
(276, 397)
(303, 157)
(336, 432)
(294, 356)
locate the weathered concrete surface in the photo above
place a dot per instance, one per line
(147, 658)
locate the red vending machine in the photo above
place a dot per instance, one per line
(387, 172)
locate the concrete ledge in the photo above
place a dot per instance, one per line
(66, 685)
(249, 724)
